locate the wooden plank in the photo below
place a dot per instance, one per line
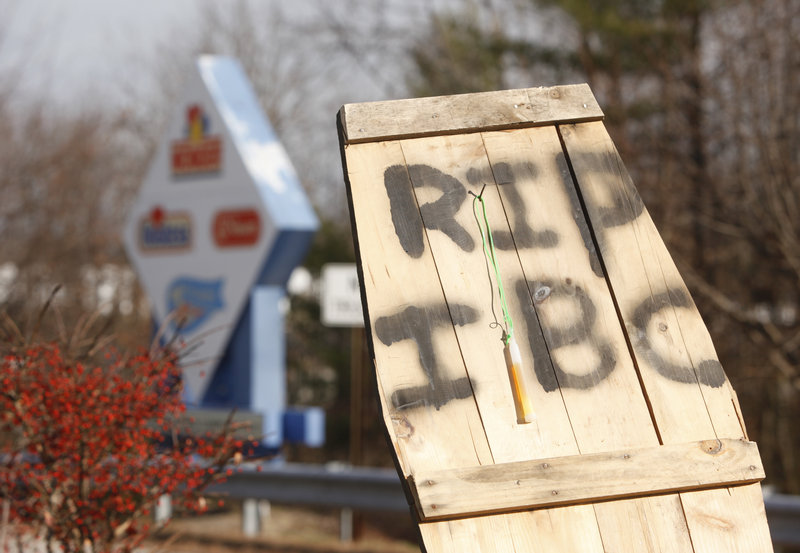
(585, 478)
(556, 529)
(426, 397)
(728, 520)
(559, 529)
(566, 296)
(685, 385)
(443, 170)
(674, 353)
(653, 521)
(465, 113)
(436, 391)
(443, 384)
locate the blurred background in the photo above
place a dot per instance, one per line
(700, 96)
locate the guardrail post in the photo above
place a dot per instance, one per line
(251, 518)
(346, 525)
(163, 511)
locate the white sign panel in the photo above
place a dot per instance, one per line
(341, 295)
(201, 227)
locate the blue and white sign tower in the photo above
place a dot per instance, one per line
(219, 224)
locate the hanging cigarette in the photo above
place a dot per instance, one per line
(521, 398)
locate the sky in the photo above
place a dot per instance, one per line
(71, 47)
(82, 54)
(78, 55)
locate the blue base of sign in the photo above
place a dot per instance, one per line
(251, 374)
(304, 425)
(289, 250)
(230, 385)
(251, 377)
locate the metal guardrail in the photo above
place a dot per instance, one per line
(783, 515)
(361, 488)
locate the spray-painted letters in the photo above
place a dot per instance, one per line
(708, 372)
(421, 324)
(574, 332)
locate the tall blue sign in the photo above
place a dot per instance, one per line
(220, 223)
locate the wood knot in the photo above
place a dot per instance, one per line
(541, 294)
(712, 447)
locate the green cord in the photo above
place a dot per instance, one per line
(489, 251)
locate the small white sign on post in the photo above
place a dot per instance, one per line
(341, 296)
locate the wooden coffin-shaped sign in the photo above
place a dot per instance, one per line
(545, 378)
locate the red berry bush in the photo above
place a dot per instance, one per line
(88, 443)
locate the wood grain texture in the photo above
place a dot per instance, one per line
(684, 382)
(565, 297)
(466, 113)
(466, 281)
(617, 357)
(586, 478)
(686, 388)
(463, 273)
(393, 281)
(389, 286)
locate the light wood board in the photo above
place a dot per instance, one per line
(586, 478)
(464, 113)
(615, 354)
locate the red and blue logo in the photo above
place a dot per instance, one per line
(162, 231)
(197, 151)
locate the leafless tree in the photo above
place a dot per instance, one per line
(753, 272)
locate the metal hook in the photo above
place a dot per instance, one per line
(478, 195)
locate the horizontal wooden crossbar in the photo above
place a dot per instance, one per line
(585, 478)
(465, 113)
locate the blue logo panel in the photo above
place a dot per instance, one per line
(193, 301)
